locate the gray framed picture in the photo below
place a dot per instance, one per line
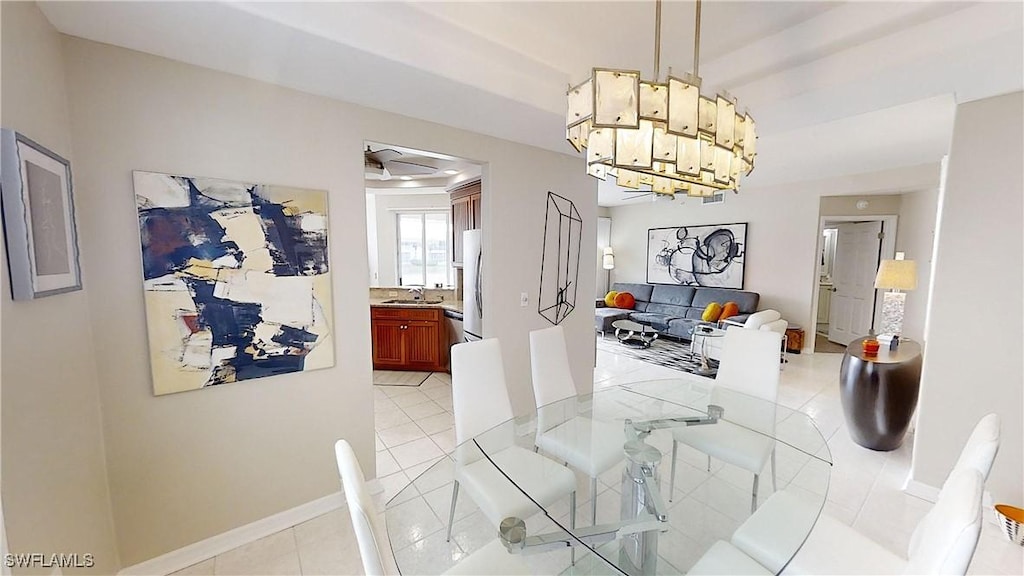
(711, 256)
(39, 219)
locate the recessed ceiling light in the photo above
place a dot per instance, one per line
(451, 172)
(406, 177)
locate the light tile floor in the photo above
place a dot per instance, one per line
(415, 427)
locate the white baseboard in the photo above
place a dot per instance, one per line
(214, 545)
(921, 490)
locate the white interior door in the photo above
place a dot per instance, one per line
(853, 277)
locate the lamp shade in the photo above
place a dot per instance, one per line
(608, 262)
(897, 275)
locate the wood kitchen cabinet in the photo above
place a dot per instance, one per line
(465, 215)
(409, 339)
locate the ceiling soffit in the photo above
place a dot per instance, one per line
(501, 68)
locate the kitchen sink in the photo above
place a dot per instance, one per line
(412, 301)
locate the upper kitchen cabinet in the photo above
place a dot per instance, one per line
(465, 215)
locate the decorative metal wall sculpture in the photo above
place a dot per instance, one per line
(560, 261)
(711, 256)
(236, 280)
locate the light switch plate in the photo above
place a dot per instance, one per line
(524, 299)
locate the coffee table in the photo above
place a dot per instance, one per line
(634, 334)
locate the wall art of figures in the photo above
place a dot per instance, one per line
(711, 256)
(236, 280)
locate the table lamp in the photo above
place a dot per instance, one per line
(894, 275)
(608, 263)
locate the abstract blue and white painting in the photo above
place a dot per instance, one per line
(236, 280)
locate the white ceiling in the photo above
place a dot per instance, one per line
(439, 170)
(837, 87)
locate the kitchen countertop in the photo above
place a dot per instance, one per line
(453, 305)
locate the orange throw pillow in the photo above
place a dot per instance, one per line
(730, 309)
(712, 312)
(625, 300)
(609, 299)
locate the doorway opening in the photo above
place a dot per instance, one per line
(846, 303)
(420, 206)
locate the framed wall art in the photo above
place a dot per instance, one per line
(711, 256)
(39, 219)
(236, 280)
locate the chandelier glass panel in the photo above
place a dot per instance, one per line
(661, 135)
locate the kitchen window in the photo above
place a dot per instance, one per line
(423, 251)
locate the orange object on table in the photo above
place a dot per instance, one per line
(871, 347)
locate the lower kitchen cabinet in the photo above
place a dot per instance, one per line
(409, 339)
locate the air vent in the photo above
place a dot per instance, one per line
(717, 198)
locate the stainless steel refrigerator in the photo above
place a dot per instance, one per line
(472, 287)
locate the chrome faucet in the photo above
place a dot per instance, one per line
(416, 292)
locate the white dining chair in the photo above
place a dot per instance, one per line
(750, 365)
(979, 452)
(724, 559)
(587, 445)
(480, 400)
(943, 542)
(372, 537)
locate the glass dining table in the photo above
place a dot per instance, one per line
(645, 523)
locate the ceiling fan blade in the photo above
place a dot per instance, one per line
(383, 156)
(404, 168)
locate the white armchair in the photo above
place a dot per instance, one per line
(755, 320)
(770, 320)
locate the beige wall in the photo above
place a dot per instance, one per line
(54, 477)
(915, 237)
(881, 205)
(187, 466)
(387, 207)
(972, 364)
(782, 264)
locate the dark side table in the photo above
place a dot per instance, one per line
(879, 394)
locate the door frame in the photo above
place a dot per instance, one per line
(889, 222)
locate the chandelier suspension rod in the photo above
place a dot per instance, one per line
(696, 44)
(657, 40)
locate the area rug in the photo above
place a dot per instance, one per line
(663, 352)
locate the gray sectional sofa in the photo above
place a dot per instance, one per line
(672, 310)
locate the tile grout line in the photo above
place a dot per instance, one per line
(295, 538)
